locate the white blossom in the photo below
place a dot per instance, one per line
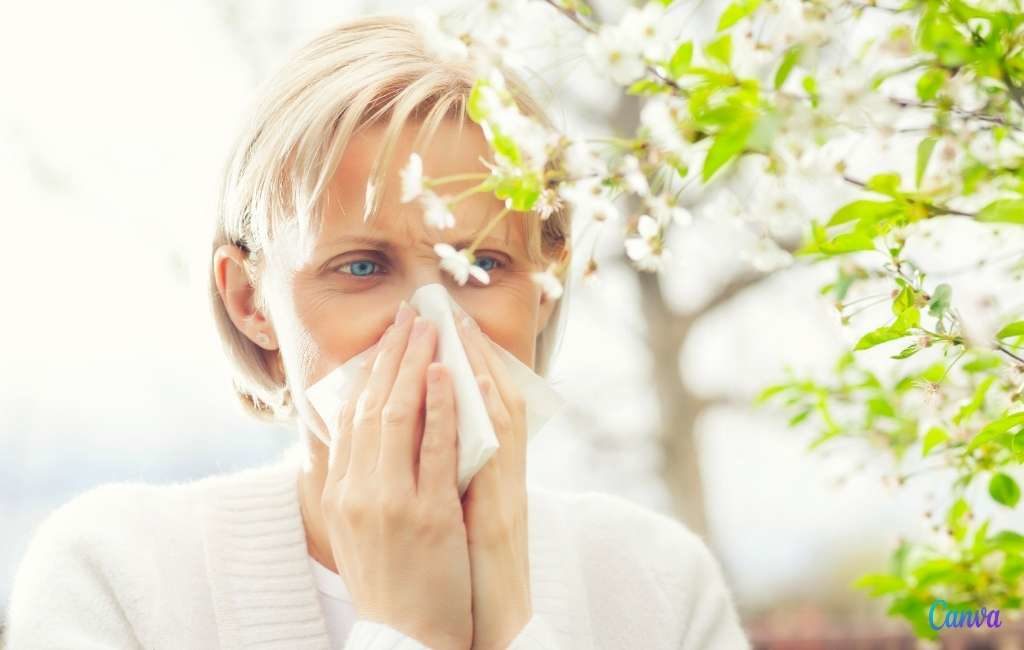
(589, 199)
(633, 176)
(549, 283)
(581, 161)
(665, 209)
(649, 28)
(435, 210)
(645, 249)
(766, 256)
(547, 203)
(613, 52)
(847, 96)
(661, 116)
(459, 264)
(440, 43)
(530, 137)
(412, 178)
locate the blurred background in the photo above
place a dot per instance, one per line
(115, 121)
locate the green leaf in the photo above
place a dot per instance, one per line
(1013, 329)
(681, 59)
(851, 242)
(789, 60)
(955, 520)
(646, 87)
(924, 153)
(720, 49)
(1008, 541)
(880, 584)
(475, 105)
(507, 147)
(768, 392)
(982, 362)
(909, 318)
(887, 183)
(972, 406)
(904, 300)
(1004, 210)
(996, 431)
(935, 437)
(727, 145)
(930, 83)
(736, 12)
(810, 85)
(863, 211)
(941, 298)
(908, 351)
(799, 417)
(522, 191)
(1004, 489)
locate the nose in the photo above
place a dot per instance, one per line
(427, 270)
(423, 271)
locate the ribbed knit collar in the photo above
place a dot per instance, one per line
(264, 592)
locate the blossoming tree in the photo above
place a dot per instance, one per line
(761, 123)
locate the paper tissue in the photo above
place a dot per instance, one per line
(477, 441)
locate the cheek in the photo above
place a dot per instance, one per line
(337, 329)
(507, 317)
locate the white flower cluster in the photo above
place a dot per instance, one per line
(624, 50)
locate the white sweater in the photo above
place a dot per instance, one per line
(222, 562)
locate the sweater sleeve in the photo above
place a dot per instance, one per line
(60, 598)
(712, 621)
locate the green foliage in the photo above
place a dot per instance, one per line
(736, 12)
(950, 46)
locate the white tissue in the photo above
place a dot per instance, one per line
(477, 441)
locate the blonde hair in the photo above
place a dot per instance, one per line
(363, 70)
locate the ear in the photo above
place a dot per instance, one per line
(238, 295)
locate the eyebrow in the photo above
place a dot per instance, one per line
(388, 245)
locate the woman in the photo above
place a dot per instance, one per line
(365, 543)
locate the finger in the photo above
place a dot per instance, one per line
(370, 403)
(401, 416)
(341, 443)
(474, 345)
(507, 390)
(471, 344)
(438, 466)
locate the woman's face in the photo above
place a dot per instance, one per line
(335, 298)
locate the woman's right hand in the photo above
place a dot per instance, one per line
(390, 499)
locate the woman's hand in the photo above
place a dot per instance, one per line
(495, 504)
(391, 501)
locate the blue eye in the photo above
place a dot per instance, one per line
(481, 258)
(360, 268)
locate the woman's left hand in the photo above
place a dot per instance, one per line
(494, 505)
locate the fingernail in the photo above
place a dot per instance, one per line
(470, 323)
(404, 313)
(419, 326)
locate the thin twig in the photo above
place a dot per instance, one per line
(1010, 354)
(934, 209)
(590, 29)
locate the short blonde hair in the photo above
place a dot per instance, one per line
(363, 70)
